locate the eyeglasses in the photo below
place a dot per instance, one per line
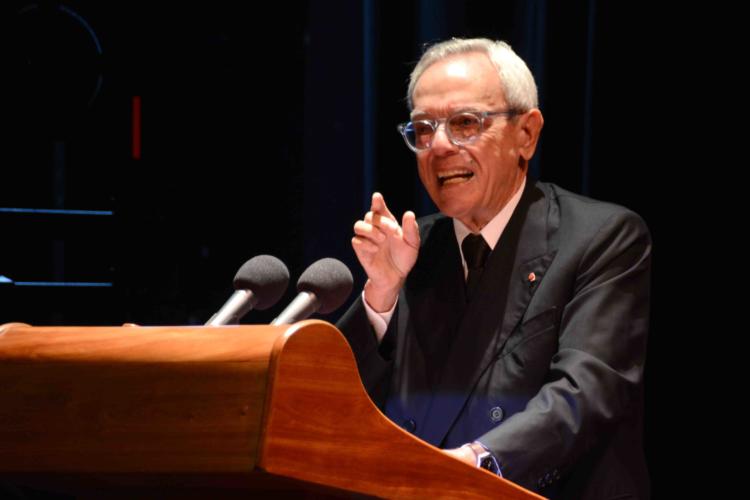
(461, 128)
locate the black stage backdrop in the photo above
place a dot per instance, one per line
(265, 126)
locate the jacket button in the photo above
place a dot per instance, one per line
(496, 414)
(410, 425)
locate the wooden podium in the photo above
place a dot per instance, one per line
(208, 412)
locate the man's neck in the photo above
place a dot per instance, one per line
(492, 230)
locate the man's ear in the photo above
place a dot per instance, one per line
(528, 128)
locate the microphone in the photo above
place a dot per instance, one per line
(259, 284)
(323, 287)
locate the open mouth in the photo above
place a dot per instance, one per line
(454, 176)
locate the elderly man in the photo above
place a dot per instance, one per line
(510, 329)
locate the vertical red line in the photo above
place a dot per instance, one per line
(136, 145)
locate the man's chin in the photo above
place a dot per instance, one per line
(455, 211)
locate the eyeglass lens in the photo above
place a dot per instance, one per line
(461, 128)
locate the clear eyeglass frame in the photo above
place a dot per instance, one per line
(473, 129)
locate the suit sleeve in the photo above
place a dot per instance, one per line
(596, 374)
(374, 360)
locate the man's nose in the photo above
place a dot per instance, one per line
(441, 143)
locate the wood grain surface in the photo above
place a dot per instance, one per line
(320, 426)
(209, 412)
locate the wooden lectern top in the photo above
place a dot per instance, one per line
(209, 412)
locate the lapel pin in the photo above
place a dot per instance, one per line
(532, 277)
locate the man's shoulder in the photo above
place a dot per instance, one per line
(434, 225)
(579, 202)
(577, 213)
(582, 214)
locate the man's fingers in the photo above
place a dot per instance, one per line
(382, 222)
(410, 229)
(378, 206)
(363, 247)
(379, 224)
(366, 230)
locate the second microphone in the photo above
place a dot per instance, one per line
(323, 287)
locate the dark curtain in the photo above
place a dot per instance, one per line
(266, 126)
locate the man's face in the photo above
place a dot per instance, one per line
(472, 182)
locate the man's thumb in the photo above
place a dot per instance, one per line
(410, 229)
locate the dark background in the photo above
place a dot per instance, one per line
(266, 126)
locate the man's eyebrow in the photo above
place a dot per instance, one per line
(450, 111)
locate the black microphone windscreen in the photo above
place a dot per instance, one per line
(331, 282)
(266, 276)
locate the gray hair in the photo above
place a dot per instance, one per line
(517, 81)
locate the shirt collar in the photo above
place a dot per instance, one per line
(494, 228)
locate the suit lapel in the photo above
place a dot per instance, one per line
(430, 312)
(526, 246)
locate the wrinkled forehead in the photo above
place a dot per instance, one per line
(457, 83)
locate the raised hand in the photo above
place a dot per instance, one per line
(386, 250)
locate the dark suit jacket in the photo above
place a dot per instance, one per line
(545, 365)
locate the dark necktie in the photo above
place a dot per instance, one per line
(475, 251)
